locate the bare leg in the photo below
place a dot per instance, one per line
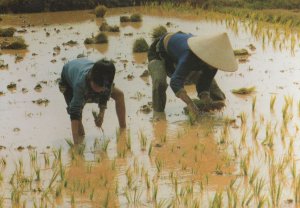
(159, 84)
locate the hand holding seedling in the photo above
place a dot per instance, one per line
(98, 118)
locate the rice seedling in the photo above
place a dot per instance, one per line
(100, 10)
(46, 159)
(143, 141)
(247, 198)
(105, 144)
(243, 117)
(253, 176)
(244, 166)
(261, 201)
(37, 171)
(244, 90)
(128, 140)
(224, 135)
(105, 203)
(140, 45)
(150, 150)
(253, 103)
(254, 130)
(159, 164)
(217, 201)
(244, 136)
(272, 102)
(258, 187)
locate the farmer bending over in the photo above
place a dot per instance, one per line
(184, 57)
(83, 81)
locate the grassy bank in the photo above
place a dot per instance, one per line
(287, 17)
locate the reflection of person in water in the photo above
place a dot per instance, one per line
(183, 56)
(83, 81)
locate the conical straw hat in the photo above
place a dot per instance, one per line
(214, 50)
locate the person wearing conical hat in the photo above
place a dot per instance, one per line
(182, 56)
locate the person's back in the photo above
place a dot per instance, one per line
(76, 70)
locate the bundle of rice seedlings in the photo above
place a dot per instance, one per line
(158, 32)
(100, 10)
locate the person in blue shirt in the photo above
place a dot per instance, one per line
(183, 57)
(84, 81)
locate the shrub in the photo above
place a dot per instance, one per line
(140, 45)
(100, 10)
(7, 32)
(158, 32)
(124, 19)
(136, 18)
(101, 38)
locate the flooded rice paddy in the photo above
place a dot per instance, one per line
(245, 155)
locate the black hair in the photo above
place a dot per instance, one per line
(103, 72)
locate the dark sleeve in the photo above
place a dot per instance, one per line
(76, 104)
(181, 72)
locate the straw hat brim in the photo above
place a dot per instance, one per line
(214, 50)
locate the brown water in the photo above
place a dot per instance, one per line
(188, 154)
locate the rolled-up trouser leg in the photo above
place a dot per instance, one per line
(158, 74)
(215, 92)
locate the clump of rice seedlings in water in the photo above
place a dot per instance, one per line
(140, 45)
(241, 52)
(100, 10)
(18, 43)
(7, 32)
(136, 17)
(124, 19)
(101, 38)
(158, 32)
(244, 90)
(107, 28)
(89, 41)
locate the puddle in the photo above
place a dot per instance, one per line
(183, 159)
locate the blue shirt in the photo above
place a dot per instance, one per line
(75, 74)
(186, 61)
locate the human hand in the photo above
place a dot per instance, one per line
(99, 120)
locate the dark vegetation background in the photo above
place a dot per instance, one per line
(18, 6)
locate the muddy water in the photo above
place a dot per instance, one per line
(270, 70)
